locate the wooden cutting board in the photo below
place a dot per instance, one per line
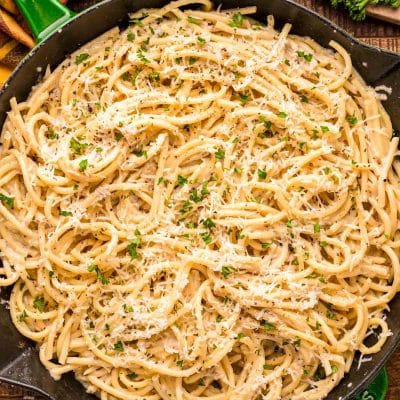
(374, 32)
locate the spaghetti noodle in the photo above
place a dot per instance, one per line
(200, 206)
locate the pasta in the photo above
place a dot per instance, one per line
(200, 206)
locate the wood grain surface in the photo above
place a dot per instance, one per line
(374, 32)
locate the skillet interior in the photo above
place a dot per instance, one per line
(19, 362)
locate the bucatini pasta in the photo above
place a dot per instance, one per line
(200, 206)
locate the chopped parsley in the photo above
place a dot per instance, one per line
(317, 228)
(65, 213)
(220, 154)
(192, 60)
(314, 135)
(128, 309)
(186, 207)
(132, 375)
(77, 146)
(267, 124)
(140, 153)
(83, 165)
(262, 174)
(240, 336)
(119, 346)
(134, 244)
(227, 270)
(320, 373)
(118, 136)
(268, 366)
(181, 180)
(208, 223)
(244, 98)
(131, 36)
(23, 316)
(265, 245)
(201, 40)
(155, 76)
(307, 56)
(327, 170)
(51, 134)
(81, 57)
(303, 144)
(38, 303)
(195, 196)
(192, 20)
(137, 22)
(179, 363)
(207, 239)
(236, 21)
(330, 314)
(141, 56)
(351, 119)
(99, 275)
(282, 115)
(7, 201)
(268, 326)
(324, 129)
(303, 98)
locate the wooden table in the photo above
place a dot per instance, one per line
(371, 31)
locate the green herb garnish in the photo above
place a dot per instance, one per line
(38, 303)
(236, 21)
(7, 201)
(307, 56)
(83, 165)
(81, 57)
(119, 346)
(220, 154)
(262, 174)
(99, 275)
(227, 270)
(282, 115)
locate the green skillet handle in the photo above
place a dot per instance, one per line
(377, 389)
(44, 16)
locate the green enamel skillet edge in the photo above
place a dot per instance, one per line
(46, 16)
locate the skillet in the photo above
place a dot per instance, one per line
(59, 33)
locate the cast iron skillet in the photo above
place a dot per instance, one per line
(19, 362)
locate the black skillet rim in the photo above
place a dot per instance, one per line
(387, 352)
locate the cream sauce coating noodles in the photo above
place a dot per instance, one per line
(201, 206)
